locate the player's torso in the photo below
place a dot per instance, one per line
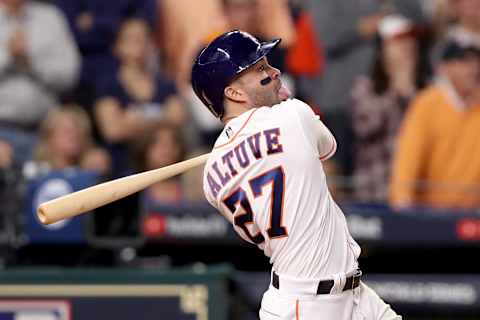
(267, 180)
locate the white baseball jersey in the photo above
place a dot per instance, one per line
(265, 176)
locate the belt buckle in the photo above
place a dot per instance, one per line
(356, 279)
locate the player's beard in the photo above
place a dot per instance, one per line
(269, 95)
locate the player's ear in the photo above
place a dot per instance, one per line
(235, 94)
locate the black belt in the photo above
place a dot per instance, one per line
(325, 286)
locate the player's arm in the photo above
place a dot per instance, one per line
(326, 143)
(212, 199)
(315, 131)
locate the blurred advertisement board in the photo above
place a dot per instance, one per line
(48, 187)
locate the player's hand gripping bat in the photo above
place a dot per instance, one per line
(93, 197)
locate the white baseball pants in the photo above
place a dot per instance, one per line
(361, 303)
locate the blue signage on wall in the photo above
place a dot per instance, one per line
(48, 187)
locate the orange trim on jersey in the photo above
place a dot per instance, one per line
(331, 151)
(236, 134)
(297, 317)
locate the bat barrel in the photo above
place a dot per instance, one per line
(93, 197)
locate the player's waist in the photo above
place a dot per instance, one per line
(335, 284)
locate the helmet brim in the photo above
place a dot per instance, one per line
(264, 49)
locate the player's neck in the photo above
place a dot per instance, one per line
(233, 110)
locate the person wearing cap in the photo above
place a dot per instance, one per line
(467, 21)
(346, 30)
(265, 176)
(437, 158)
(378, 104)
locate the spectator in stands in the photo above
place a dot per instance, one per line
(65, 142)
(305, 58)
(437, 158)
(183, 31)
(184, 27)
(192, 180)
(450, 19)
(439, 14)
(467, 25)
(94, 25)
(97, 159)
(6, 155)
(38, 61)
(248, 15)
(10, 196)
(242, 14)
(134, 99)
(346, 30)
(163, 145)
(379, 102)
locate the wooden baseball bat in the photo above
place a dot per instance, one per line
(96, 196)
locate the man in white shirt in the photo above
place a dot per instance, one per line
(265, 176)
(39, 60)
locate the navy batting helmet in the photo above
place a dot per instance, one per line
(222, 60)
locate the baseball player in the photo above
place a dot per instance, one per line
(265, 176)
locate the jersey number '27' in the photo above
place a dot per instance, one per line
(276, 178)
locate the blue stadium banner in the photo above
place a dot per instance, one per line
(378, 225)
(48, 187)
(368, 224)
(185, 222)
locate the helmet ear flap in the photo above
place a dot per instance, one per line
(206, 100)
(210, 106)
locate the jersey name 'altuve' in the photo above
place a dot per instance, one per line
(253, 148)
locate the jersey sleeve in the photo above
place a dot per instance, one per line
(317, 134)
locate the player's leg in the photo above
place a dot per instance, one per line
(369, 306)
(277, 306)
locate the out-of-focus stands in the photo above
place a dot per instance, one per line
(128, 106)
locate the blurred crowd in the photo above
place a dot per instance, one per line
(103, 87)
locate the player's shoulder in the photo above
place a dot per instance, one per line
(286, 109)
(291, 104)
(285, 114)
(298, 109)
